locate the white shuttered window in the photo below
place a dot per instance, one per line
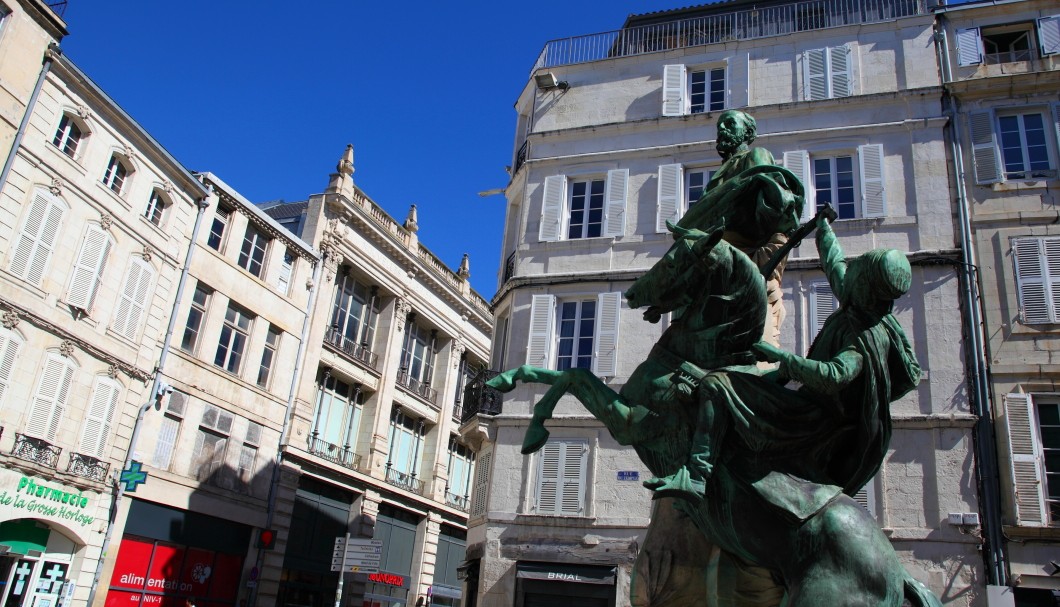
(88, 268)
(10, 343)
(50, 398)
(584, 207)
(1026, 464)
(826, 73)
(1038, 279)
(822, 304)
(575, 332)
(35, 241)
(561, 478)
(100, 417)
(132, 303)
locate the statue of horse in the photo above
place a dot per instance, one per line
(821, 546)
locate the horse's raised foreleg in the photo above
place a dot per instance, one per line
(603, 402)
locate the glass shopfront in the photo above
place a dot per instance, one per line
(549, 584)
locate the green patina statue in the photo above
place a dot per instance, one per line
(764, 472)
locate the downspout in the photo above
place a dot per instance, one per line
(984, 440)
(159, 389)
(292, 394)
(50, 54)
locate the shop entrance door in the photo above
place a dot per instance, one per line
(32, 582)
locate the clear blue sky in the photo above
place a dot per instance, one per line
(266, 95)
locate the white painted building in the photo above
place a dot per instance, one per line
(615, 135)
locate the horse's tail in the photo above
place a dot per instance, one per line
(918, 594)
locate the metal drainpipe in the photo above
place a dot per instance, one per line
(296, 377)
(50, 54)
(984, 440)
(158, 390)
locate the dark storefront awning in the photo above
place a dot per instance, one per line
(562, 572)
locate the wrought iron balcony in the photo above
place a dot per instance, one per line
(419, 388)
(756, 22)
(356, 352)
(509, 267)
(88, 467)
(480, 398)
(520, 157)
(406, 481)
(36, 450)
(460, 502)
(342, 456)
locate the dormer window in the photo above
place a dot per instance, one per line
(67, 136)
(114, 177)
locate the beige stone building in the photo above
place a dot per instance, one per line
(615, 136)
(1001, 66)
(95, 218)
(374, 446)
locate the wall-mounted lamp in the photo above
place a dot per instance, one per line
(547, 81)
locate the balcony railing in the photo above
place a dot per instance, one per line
(460, 502)
(1009, 57)
(36, 450)
(509, 268)
(712, 29)
(88, 467)
(417, 387)
(520, 157)
(480, 398)
(358, 352)
(406, 481)
(342, 456)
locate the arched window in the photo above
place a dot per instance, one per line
(156, 207)
(34, 244)
(116, 174)
(88, 268)
(51, 397)
(132, 304)
(68, 136)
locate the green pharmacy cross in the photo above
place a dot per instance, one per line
(133, 476)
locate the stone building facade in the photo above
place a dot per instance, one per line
(95, 218)
(615, 136)
(1001, 67)
(374, 447)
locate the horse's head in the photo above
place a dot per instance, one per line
(669, 284)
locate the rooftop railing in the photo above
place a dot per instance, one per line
(746, 24)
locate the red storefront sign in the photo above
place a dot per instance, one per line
(149, 573)
(389, 579)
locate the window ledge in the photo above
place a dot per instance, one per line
(1016, 185)
(117, 197)
(555, 520)
(160, 229)
(74, 163)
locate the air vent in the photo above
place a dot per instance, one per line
(177, 402)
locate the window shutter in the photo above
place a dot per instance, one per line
(1025, 461)
(798, 162)
(542, 310)
(100, 417)
(552, 203)
(167, 439)
(1056, 122)
(9, 346)
(482, 484)
(822, 304)
(984, 148)
(969, 47)
(873, 202)
(605, 359)
(548, 478)
(674, 90)
(1049, 35)
(839, 60)
(671, 185)
(575, 460)
(133, 299)
(37, 239)
(49, 402)
(615, 206)
(866, 498)
(1031, 283)
(88, 268)
(815, 75)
